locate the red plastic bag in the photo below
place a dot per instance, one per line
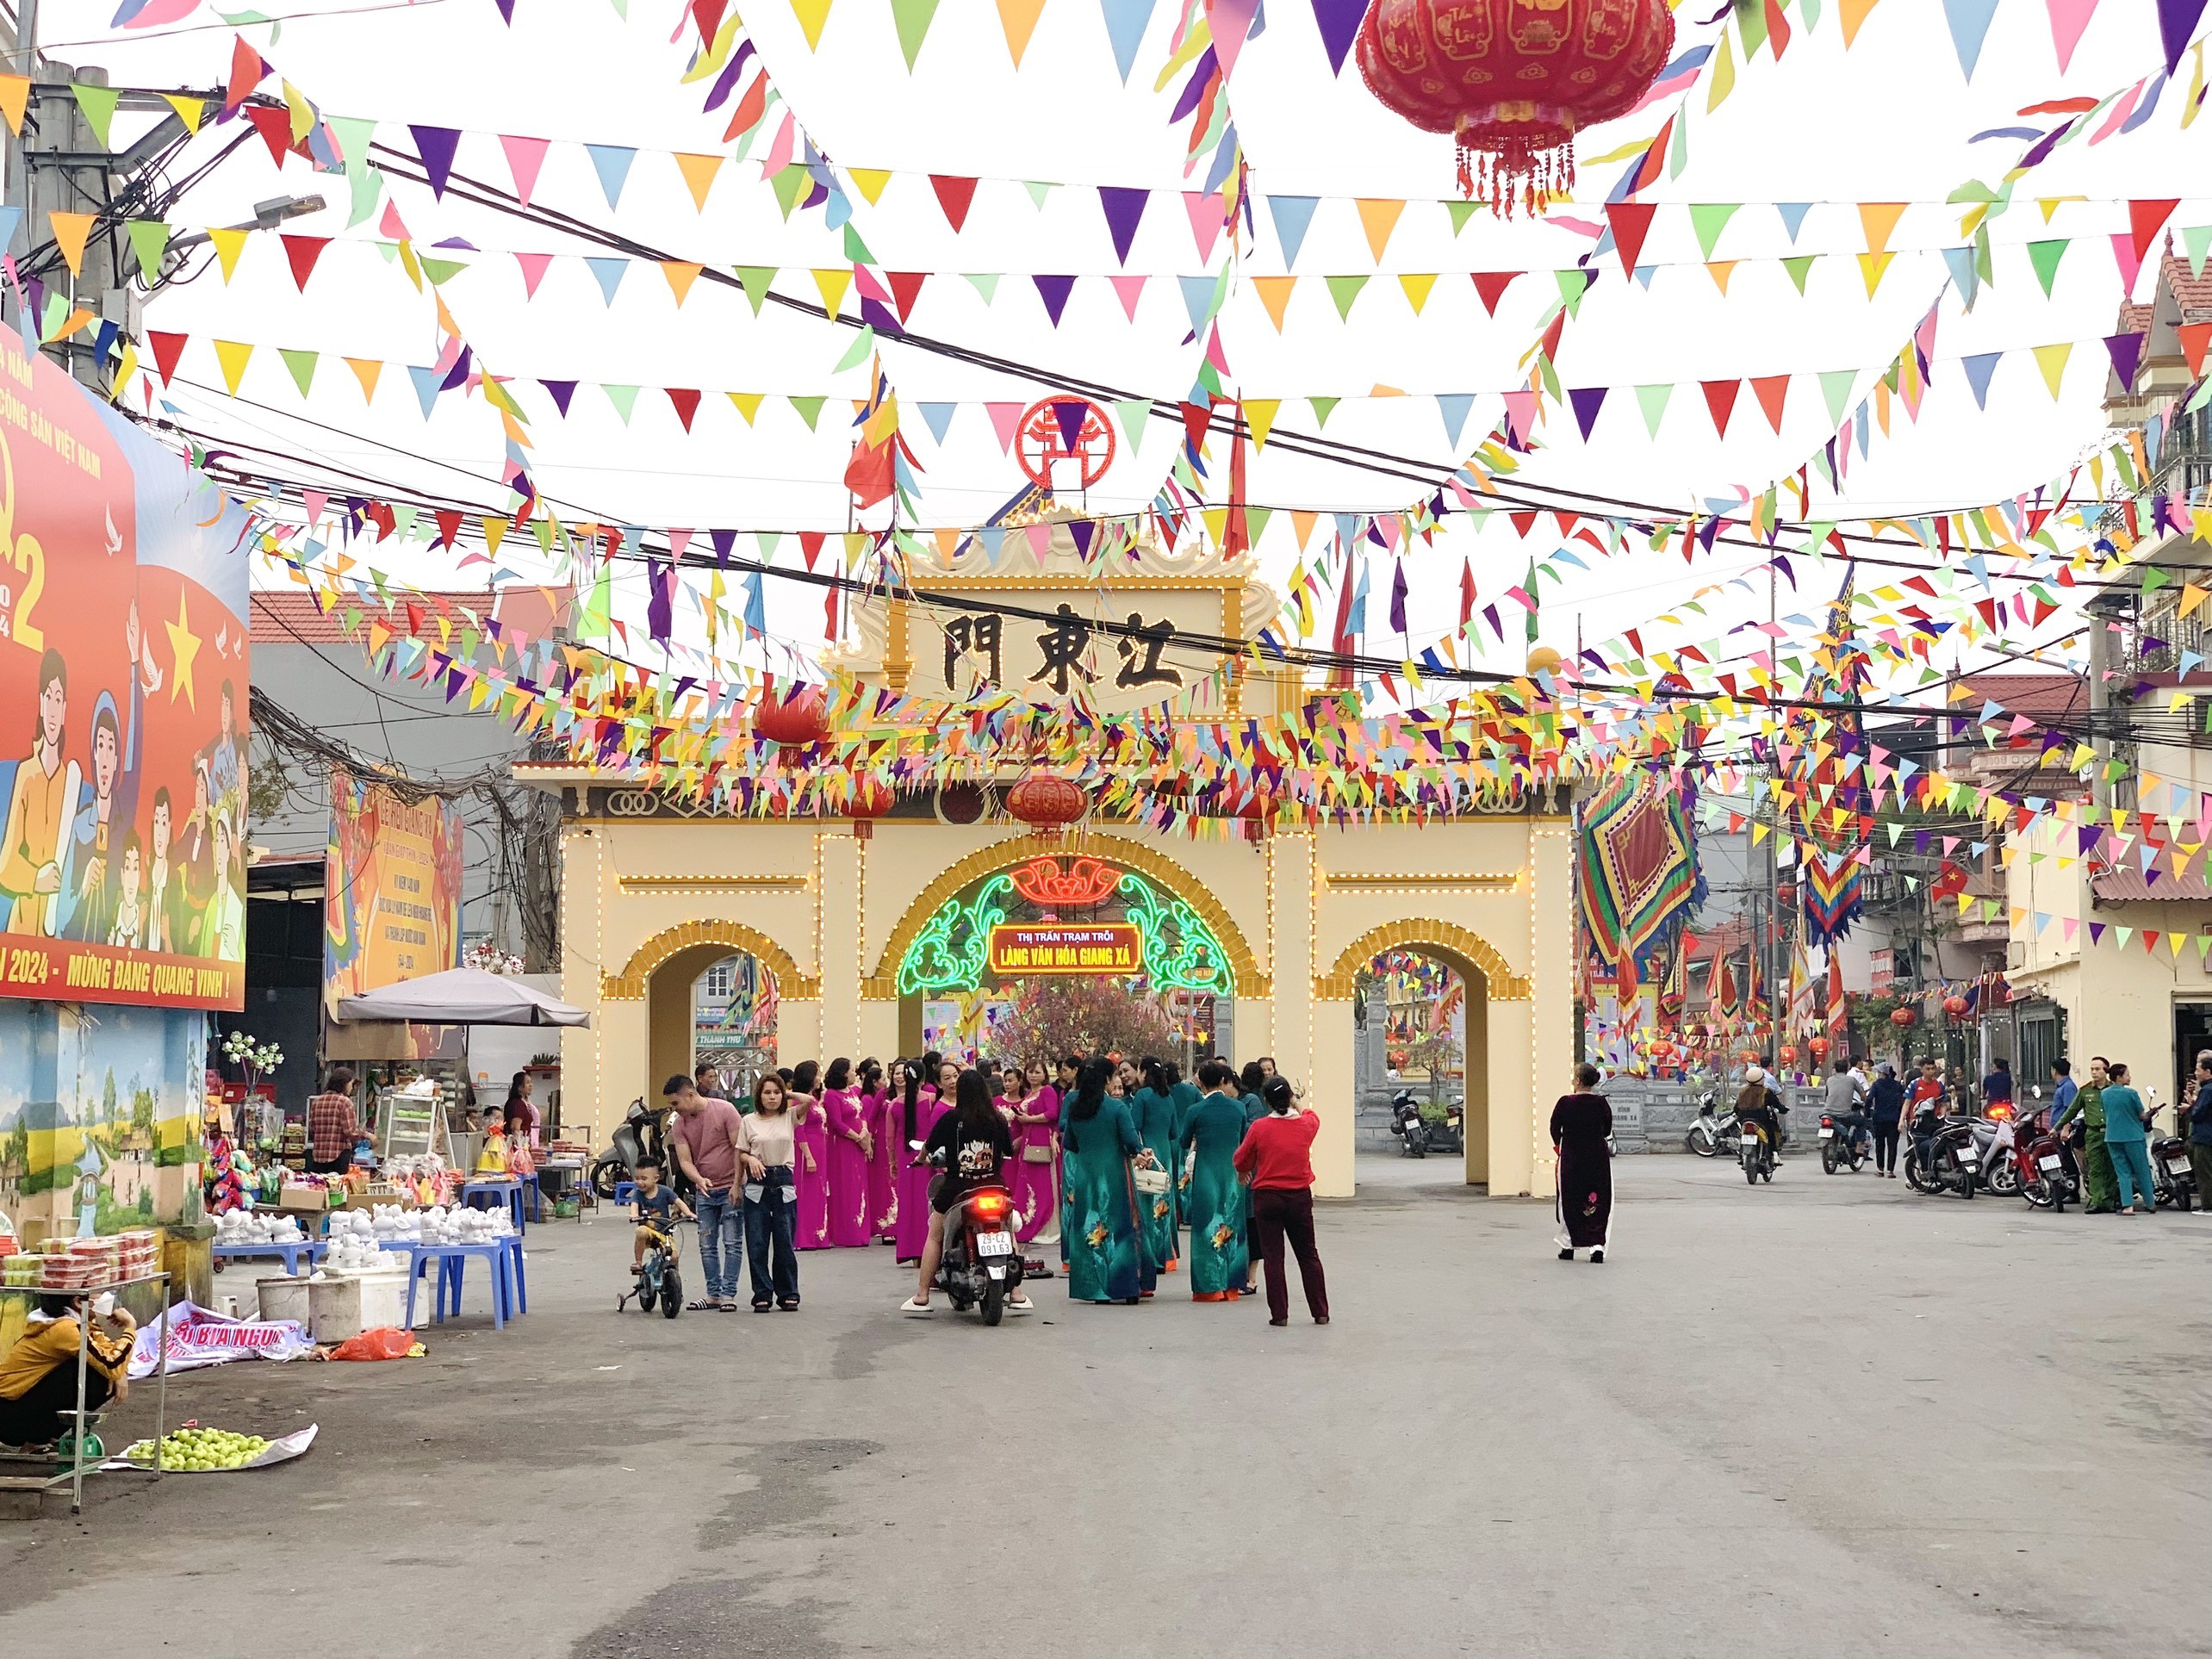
(384, 1343)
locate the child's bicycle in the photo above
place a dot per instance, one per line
(658, 1279)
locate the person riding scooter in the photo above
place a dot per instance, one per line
(1758, 1105)
(968, 1147)
(1844, 1094)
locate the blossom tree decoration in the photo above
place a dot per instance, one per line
(257, 1058)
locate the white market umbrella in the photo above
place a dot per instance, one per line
(460, 997)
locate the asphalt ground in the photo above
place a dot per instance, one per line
(1821, 1417)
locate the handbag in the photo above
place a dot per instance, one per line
(1153, 1180)
(1038, 1154)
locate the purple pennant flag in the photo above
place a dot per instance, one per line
(1069, 415)
(1398, 598)
(1053, 291)
(2176, 22)
(2127, 351)
(1082, 530)
(436, 146)
(723, 540)
(659, 609)
(562, 391)
(506, 11)
(1587, 400)
(459, 375)
(1124, 205)
(1339, 22)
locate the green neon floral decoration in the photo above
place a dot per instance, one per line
(1193, 960)
(950, 951)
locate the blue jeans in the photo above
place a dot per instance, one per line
(2131, 1166)
(720, 1249)
(770, 1211)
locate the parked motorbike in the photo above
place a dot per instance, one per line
(642, 1137)
(1713, 1131)
(2048, 1174)
(1406, 1122)
(1997, 1149)
(1947, 1160)
(982, 1266)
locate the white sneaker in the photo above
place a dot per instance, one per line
(914, 1309)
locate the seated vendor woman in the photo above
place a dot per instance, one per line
(38, 1376)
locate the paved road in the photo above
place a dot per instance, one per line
(1820, 1418)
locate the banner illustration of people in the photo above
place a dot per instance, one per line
(123, 638)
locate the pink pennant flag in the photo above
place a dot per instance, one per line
(1231, 21)
(2068, 19)
(391, 225)
(525, 155)
(314, 500)
(780, 153)
(678, 540)
(533, 271)
(1128, 289)
(1004, 417)
(2129, 261)
(1205, 212)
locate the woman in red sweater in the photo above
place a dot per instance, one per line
(1277, 1158)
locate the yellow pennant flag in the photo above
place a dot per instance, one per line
(812, 14)
(2052, 360)
(1723, 69)
(748, 404)
(1871, 266)
(229, 243)
(1417, 285)
(699, 173)
(303, 113)
(870, 181)
(69, 230)
(1261, 412)
(831, 285)
(232, 355)
(188, 109)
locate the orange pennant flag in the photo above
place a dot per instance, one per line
(699, 172)
(69, 230)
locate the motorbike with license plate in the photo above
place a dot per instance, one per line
(1755, 1151)
(1408, 1123)
(1845, 1142)
(2049, 1177)
(2172, 1176)
(982, 1266)
(1996, 1136)
(1943, 1157)
(643, 1138)
(1713, 1131)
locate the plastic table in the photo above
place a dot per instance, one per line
(313, 1249)
(452, 1260)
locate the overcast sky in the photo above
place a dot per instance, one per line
(1890, 120)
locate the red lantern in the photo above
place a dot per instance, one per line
(1513, 80)
(1819, 1047)
(1045, 802)
(1902, 1017)
(1786, 1054)
(869, 800)
(796, 720)
(1662, 1051)
(1954, 1007)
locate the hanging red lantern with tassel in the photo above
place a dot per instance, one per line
(793, 721)
(1512, 81)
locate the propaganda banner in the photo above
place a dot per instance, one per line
(124, 680)
(392, 889)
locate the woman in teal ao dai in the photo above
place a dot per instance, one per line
(1212, 1130)
(1107, 1260)
(1152, 1107)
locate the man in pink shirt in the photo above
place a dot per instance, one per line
(704, 1135)
(1277, 1158)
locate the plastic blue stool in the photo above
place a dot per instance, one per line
(518, 1282)
(624, 1191)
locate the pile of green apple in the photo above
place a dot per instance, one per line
(197, 1450)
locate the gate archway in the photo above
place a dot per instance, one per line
(665, 969)
(1482, 971)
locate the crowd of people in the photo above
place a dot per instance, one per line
(1114, 1160)
(2104, 1122)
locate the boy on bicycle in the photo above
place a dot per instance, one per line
(658, 1207)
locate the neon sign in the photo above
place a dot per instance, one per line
(1079, 885)
(1159, 934)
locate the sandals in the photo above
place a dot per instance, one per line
(790, 1306)
(914, 1309)
(758, 1307)
(704, 1305)
(725, 1306)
